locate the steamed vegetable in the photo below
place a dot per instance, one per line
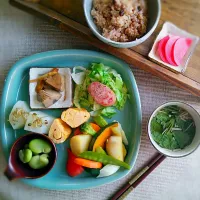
(92, 171)
(78, 77)
(88, 163)
(114, 147)
(38, 122)
(108, 170)
(19, 115)
(118, 131)
(74, 117)
(25, 155)
(80, 143)
(59, 131)
(88, 129)
(101, 137)
(94, 126)
(40, 146)
(105, 159)
(39, 161)
(100, 150)
(72, 168)
(107, 112)
(98, 72)
(124, 150)
(100, 121)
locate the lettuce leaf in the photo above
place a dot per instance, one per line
(109, 77)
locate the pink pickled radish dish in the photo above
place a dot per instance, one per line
(172, 49)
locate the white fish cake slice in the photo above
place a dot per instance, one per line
(38, 122)
(19, 114)
(66, 99)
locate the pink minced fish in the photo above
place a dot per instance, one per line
(102, 94)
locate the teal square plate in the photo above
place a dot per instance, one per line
(16, 88)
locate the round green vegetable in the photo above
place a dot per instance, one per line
(39, 146)
(39, 161)
(25, 155)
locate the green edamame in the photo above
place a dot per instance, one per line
(39, 146)
(39, 161)
(25, 155)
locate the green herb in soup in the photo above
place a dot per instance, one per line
(173, 128)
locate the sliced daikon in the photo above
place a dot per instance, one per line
(180, 49)
(19, 114)
(38, 122)
(169, 49)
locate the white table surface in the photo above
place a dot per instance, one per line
(22, 34)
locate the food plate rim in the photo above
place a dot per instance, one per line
(56, 53)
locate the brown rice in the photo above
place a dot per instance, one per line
(120, 20)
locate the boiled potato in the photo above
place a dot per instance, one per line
(118, 131)
(59, 131)
(74, 117)
(80, 143)
(114, 147)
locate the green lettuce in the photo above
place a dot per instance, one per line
(107, 76)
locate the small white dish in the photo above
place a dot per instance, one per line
(66, 99)
(170, 29)
(196, 141)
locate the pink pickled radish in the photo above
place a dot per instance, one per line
(161, 48)
(181, 46)
(169, 50)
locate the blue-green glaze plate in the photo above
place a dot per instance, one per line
(16, 88)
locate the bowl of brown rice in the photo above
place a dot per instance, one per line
(122, 23)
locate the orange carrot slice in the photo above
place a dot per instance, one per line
(88, 163)
(105, 134)
(95, 127)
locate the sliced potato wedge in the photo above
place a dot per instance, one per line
(80, 143)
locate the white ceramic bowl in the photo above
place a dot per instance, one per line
(154, 12)
(196, 141)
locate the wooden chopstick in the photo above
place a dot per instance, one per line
(139, 177)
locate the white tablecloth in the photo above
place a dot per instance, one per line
(22, 34)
